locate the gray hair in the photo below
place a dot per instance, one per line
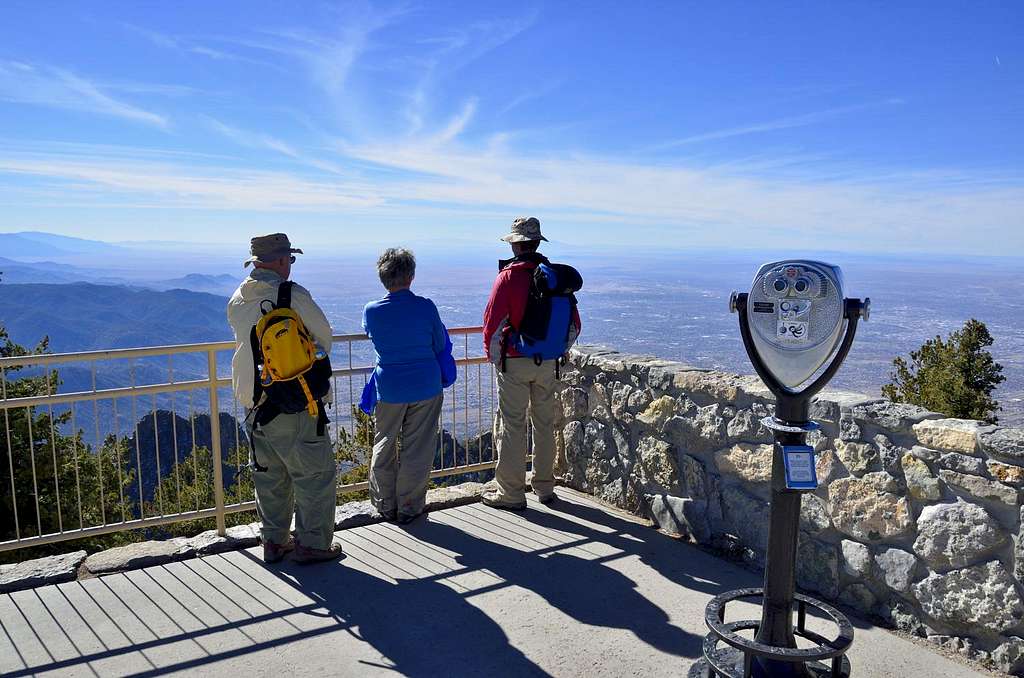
(396, 267)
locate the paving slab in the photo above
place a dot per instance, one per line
(563, 590)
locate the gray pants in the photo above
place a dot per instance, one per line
(526, 389)
(301, 478)
(398, 478)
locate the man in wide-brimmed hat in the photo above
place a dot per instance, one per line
(292, 453)
(526, 387)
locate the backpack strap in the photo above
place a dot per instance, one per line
(257, 412)
(504, 348)
(257, 353)
(529, 257)
(284, 294)
(321, 419)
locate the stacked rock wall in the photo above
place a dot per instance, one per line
(917, 518)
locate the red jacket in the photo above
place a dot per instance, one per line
(508, 304)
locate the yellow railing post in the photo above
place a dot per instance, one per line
(218, 462)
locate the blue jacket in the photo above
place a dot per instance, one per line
(413, 349)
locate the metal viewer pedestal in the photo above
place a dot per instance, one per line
(773, 652)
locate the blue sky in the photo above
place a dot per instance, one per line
(846, 126)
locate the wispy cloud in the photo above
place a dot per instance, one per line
(329, 55)
(250, 139)
(186, 45)
(536, 92)
(382, 126)
(164, 90)
(260, 140)
(58, 88)
(683, 205)
(458, 123)
(173, 185)
(777, 124)
(449, 53)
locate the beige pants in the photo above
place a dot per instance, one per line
(399, 478)
(301, 478)
(525, 387)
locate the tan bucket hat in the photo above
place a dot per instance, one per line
(270, 247)
(525, 229)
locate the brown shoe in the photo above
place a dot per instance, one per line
(492, 499)
(274, 553)
(305, 555)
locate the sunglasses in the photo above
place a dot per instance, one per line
(292, 258)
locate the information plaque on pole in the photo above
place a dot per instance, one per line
(794, 322)
(800, 471)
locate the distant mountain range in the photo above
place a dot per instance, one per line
(36, 244)
(198, 282)
(38, 257)
(85, 316)
(21, 272)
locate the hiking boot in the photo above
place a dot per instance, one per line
(304, 555)
(547, 498)
(406, 518)
(494, 501)
(274, 553)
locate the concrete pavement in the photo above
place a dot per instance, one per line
(566, 590)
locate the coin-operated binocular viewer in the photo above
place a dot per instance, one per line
(793, 321)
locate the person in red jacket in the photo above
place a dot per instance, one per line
(523, 385)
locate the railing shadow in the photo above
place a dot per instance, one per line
(421, 627)
(401, 591)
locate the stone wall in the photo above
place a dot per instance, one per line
(917, 519)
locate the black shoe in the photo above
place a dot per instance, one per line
(547, 498)
(406, 518)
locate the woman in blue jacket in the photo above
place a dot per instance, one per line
(413, 365)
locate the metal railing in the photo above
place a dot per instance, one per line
(99, 479)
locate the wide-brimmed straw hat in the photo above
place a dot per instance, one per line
(525, 229)
(266, 248)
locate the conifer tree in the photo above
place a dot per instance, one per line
(954, 376)
(52, 479)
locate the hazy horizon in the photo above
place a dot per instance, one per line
(670, 304)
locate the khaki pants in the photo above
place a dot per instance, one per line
(399, 478)
(525, 386)
(301, 478)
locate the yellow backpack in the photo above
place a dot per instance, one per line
(293, 372)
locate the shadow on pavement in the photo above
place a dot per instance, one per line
(588, 590)
(417, 616)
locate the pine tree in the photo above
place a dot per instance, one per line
(59, 481)
(188, 486)
(353, 450)
(955, 376)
